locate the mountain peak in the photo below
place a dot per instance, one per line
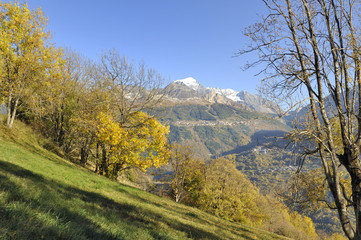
(192, 89)
(189, 82)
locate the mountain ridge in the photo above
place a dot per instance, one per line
(190, 90)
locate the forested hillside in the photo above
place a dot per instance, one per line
(255, 140)
(43, 196)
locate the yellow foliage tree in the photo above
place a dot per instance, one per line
(142, 143)
(67, 105)
(304, 224)
(2, 75)
(187, 176)
(229, 194)
(24, 52)
(279, 219)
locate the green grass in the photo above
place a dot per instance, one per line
(43, 196)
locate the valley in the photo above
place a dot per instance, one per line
(229, 125)
(218, 129)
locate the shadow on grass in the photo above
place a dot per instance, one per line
(30, 217)
(36, 207)
(193, 232)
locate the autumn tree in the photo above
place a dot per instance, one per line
(25, 54)
(65, 106)
(281, 220)
(128, 91)
(2, 76)
(72, 106)
(179, 161)
(131, 88)
(142, 144)
(310, 51)
(229, 194)
(187, 174)
(306, 192)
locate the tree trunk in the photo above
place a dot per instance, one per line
(83, 155)
(177, 196)
(8, 120)
(104, 164)
(11, 112)
(84, 151)
(356, 193)
(97, 159)
(351, 162)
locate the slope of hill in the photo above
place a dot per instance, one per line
(43, 196)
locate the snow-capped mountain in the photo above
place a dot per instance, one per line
(228, 93)
(189, 82)
(190, 90)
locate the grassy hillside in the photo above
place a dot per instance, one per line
(43, 196)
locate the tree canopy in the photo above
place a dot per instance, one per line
(141, 144)
(228, 193)
(25, 52)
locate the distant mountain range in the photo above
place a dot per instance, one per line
(219, 121)
(189, 90)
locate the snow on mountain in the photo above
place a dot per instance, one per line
(228, 93)
(195, 85)
(219, 95)
(189, 82)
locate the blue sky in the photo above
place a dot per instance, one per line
(184, 38)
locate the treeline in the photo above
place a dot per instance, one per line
(221, 189)
(92, 110)
(98, 113)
